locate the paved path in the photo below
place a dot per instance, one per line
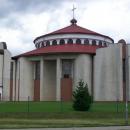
(87, 128)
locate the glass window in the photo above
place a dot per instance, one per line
(78, 41)
(93, 42)
(70, 41)
(42, 44)
(11, 70)
(37, 70)
(67, 68)
(100, 43)
(62, 42)
(47, 43)
(54, 42)
(37, 45)
(105, 44)
(86, 42)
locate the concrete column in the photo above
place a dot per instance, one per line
(58, 79)
(41, 79)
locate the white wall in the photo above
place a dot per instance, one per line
(108, 74)
(83, 69)
(26, 84)
(6, 81)
(128, 70)
(1, 66)
(60, 36)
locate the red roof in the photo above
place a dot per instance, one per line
(74, 29)
(59, 49)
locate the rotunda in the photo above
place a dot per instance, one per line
(60, 60)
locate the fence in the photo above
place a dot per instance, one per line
(99, 110)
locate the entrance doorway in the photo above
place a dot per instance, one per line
(66, 80)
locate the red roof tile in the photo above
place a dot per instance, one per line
(59, 49)
(74, 29)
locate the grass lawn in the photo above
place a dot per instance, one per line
(58, 107)
(59, 114)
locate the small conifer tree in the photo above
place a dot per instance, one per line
(82, 100)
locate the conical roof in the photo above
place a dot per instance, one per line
(74, 29)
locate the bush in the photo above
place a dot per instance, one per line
(82, 100)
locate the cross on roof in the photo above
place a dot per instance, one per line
(73, 11)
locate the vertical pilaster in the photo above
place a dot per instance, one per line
(41, 79)
(58, 79)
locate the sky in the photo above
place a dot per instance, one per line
(21, 21)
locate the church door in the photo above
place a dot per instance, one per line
(66, 80)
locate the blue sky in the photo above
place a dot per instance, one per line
(21, 21)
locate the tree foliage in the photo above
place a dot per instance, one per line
(82, 100)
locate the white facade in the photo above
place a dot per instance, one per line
(83, 70)
(102, 72)
(5, 58)
(6, 75)
(108, 85)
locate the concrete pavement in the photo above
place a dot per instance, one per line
(83, 128)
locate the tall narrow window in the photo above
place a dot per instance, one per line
(70, 41)
(11, 71)
(37, 70)
(78, 41)
(67, 68)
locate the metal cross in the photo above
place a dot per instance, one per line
(73, 11)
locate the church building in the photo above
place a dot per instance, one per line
(61, 58)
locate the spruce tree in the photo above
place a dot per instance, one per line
(82, 100)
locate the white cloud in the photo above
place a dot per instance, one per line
(108, 17)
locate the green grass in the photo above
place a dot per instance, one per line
(109, 107)
(57, 107)
(57, 114)
(35, 106)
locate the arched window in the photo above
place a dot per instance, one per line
(86, 42)
(100, 43)
(62, 42)
(38, 45)
(54, 42)
(93, 42)
(78, 41)
(47, 43)
(70, 41)
(105, 44)
(42, 44)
